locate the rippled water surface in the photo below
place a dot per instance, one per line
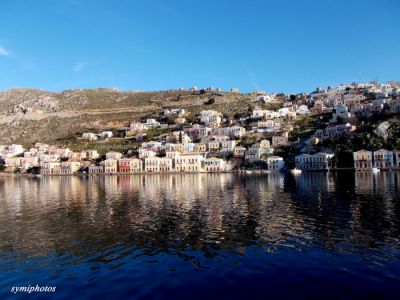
(197, 236)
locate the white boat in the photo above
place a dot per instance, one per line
(375, 170)
(295, 171)
(249, 172)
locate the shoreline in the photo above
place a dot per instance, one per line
(289, 171)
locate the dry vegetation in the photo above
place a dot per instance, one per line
(28, 115)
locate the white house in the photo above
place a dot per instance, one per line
(340, 111)
(113, 155)
(303, 110)
(145, 153)
(275, 163)
(214, 164)
(106, 134)
(151, 123)
(383, 159)
(318, 162)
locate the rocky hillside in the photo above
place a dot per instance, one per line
(30, 115)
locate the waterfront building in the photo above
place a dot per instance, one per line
(157, 164)
(253, 153)
(12, 163)
(362, 160)
(383, 159)
(95, 169)
(29, 162)
(316, 162)
(275, 163)
(189, 163)
(396, 155)
(110, 166)
(50, 167)
(214, 164)
(69, 167)
(130, 165)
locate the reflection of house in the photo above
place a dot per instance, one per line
(383, 159)
(275, 163)
(362, 160)
(319, 161)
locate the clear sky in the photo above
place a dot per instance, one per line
(277, 46)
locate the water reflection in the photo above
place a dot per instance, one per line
(114, 220)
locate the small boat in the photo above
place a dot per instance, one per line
(249, 172)
(375, 170)
(295, 171)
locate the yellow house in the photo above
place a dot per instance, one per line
(189, 163)
(158, 164)
(110, 166)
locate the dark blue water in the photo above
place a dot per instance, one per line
(271, 236)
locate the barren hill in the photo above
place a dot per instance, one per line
(30, 115)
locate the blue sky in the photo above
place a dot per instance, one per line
(278, 46)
